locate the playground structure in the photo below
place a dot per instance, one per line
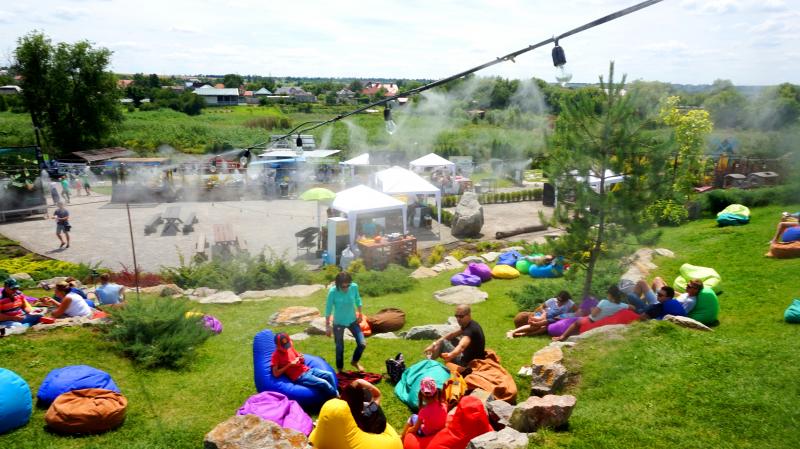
(744, 172)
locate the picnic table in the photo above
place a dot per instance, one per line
(225, 239)
(171, 217)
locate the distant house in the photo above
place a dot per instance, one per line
(345, 96)
(124, 84)
(372, 88)
(10, 90)
(219, 97)
(297, 94)
(219, 86)
(263, 92)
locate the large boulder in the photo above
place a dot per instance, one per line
(202, 291)
(547, 379)
(547, 356)
(252, 432)
(162, 290)
(499, 412)
(429, 331)
(449, 263)
(21, 277)
(294, 315)
(223, 297)
(549, 411)
(292, 291)
(461, 294)
(611, 332)
(685, 321)
(468, 219)
(424, 272)
(507, 438)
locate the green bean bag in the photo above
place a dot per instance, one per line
(523, 265)
(733, 215)
(709, 276)
(407, 390)
(706, 310)
(792, 314)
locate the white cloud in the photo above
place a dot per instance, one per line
(712, 6)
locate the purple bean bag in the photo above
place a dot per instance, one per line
(275, 407)
(557, 328)
(212, 323)
(481, 270)
(465, 279)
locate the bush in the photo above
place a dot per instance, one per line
(394, 279)
(157, 332)
(437, 253)
(46, 269)
(666, 212)
(356, 266)
(488, 246)
(414, 261)
(458, 254)
(329, 272)
(716, 200)
(127, 277)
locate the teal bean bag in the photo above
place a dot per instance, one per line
(15, 401)
(733, 215)
(407, 390)
(706, 310)
(709, 276)
(792, 314)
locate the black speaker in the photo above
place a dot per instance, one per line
(548, 195)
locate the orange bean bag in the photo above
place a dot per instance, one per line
(366, 329)
(468, 422)
(90, 410)
(626, 316)
(785, 250)
(489, 375)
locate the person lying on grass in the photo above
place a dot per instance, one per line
(605, 308)
(550, 311)
(667, 305)
(286, 360)
(432, 410)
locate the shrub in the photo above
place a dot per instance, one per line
(394, 279)
(458, 254)
(127, 277)
(716, 200)
(437, 253)
(414, 261)
(46, 269)
(357, 266)
(329, 272)
(157, 332)
(488, 246)
(666, 212)
(531, 295)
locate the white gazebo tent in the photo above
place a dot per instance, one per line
(400, 181)
(361, 160)
(432, 160)
(362, 200)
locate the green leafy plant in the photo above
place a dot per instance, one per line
(458, 254)
(436, 255)
(414, 261)
(394, 279)
(329, 272)
(356, 266)
(666, 212)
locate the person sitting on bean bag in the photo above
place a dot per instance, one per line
(788, 221)
(667, 305)
(432, 410)
(364, 400)
(549, 312)
(286, 360)
(689, 299)
(605, 308)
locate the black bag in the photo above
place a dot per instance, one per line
(67, 227)
(395, 368)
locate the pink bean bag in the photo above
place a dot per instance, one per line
(481, 270)
(275, 407)
(558, 328)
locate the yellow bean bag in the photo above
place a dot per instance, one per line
(504, 272)
(336, 429)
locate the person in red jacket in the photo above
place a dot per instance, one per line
(287, 361)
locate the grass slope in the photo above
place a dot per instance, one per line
(661, 386)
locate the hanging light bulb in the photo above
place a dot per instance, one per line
(560, 62)
(299, 142)
(391, 127)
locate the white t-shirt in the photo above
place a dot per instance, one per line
(77, 307)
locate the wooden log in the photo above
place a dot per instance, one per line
(524, 230)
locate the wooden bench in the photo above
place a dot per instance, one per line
(152, 223)
(188, 223)
(200, 247)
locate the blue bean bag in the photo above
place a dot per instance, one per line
(481, 270)
(553, 270)
(263, 347)
(15, 401)
(407, 390)
(75, 377)
(791, 234)
(509, 258)
(791, 315)
(465, 279)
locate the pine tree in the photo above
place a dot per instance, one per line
(599, 133)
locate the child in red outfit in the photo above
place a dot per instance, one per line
(286, 360)
(432, 410)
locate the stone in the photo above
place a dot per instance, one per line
(386, 336)
(22, 277)
(491, 256)
(612, 331)
(292, 291)
(499, 412)
(547, 355)
(473, 259)
(685, 321)
(203, 291)
(547, 379)
(223, 297)
(252, 432)
(188, 292)
(451, 263)
(663, 252)
(316, 326)
(293, 315)
(300, 336)
(562, 344)
(507, 438)
(254, 295)
(633, 274)
(47, 284)
(513, 248)
(525, 371)
(69, 322)
(162, 290)
(548, 411)
(468, 217)
(423, 272)
(429, 331)
(483, 395)
(461, 294)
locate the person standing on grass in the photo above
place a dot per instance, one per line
(61, 216)
(344, 306)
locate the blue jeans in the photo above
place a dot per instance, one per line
(318, 379)
(635, 301)
(338, 337)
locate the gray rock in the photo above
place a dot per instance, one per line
(473, 259)
(483, 395)
(546, 356)
(21, 277)
(162, 290)
(424, 272)
(47, 284)
(429, 331)
(69, 322)
(499, 412)
(549, 411)
(562, 344)
(685, 321)
(547, 379)
(317, 327)
(525, 371)
(461, 294)
(451, 263)
(254, 295)
(293, 315)
(468, 218)
(513, 248)
(507, 438)
(299, 336)
(612, 331)
(663, 252)
(203, 291)
(292, 291)
(386, 336)
(491, 256)
(223, 297)
(252, 432)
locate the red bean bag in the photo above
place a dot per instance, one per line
(468, 422)
(626, 316)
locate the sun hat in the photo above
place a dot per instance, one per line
(427, 386)
(283, 341)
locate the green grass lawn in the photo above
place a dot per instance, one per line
(660, 387)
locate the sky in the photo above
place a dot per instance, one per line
(750, 42)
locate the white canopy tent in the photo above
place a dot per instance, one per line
(432, 160)
(611, 178)
(361, 159)
(400, 181)
(362, 200)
